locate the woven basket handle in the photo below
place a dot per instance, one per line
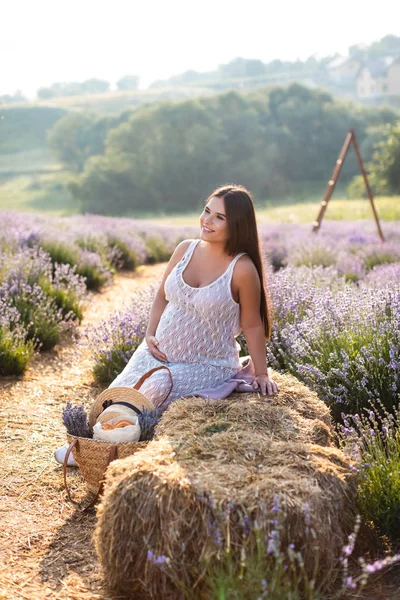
(111, 456)
(143, 378)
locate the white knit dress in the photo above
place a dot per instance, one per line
(196, 332)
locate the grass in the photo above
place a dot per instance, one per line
(114, 102)
(306, 212)
(33, 181)
(39, 160)
(388, 209)
(43, 192)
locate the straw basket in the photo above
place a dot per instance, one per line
(93, 458)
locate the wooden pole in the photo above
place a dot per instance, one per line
(350, 139)
(332, 182)
(369, 191)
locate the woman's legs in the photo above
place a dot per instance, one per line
(187, 377)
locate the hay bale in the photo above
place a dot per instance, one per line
(213, 458)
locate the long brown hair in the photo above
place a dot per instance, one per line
(243, 237)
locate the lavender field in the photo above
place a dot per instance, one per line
(335, 297)
(336, 314)
(336, 306)
(335, 300)
(47, 265)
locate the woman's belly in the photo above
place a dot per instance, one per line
(185, 337)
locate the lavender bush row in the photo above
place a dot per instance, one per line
(118, 243)
(15, 349)
(340, 339)
(383, 275)
(114, 341)
(33, 266)
(46, 264)
(47, 298)
(371, 440)
(352, 247)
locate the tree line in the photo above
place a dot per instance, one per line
(167, 157)
(252, 72)
(384, 166)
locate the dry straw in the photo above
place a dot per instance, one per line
(243, 450)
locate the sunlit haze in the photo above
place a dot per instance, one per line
(46, 41)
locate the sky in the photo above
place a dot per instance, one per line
(44, 41)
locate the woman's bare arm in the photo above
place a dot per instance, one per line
(247, 282)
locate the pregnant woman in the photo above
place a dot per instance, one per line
(212, 289)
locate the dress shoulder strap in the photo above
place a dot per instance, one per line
(233, 263)
(229, 270)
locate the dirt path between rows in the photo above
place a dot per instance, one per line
(46, 550)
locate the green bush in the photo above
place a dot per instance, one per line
(157, 250)
(39, 314)
(89, 263)
(24, 127)
(91, 267)
(385, 165)
(356, 188)
(65, 299)
(61, 252)
(127, 257)
(109, 365)
(15, 354)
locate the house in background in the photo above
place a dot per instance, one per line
(343, 70)
(379, 79)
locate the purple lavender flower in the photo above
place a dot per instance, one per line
(147, 422)
(307, 514)
(76, 421)
(156, 560)
(246, 525)
(113, 342)
(274, 542)
(214, 531)
(350, 584)
(276, 504)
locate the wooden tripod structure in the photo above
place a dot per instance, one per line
(350, 139)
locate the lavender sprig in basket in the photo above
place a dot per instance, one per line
(147, 422)
(76, 421)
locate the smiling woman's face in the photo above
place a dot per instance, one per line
(213, 223)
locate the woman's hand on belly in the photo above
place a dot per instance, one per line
(152, 344)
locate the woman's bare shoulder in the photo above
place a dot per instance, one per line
(183, 246)
(245, 280)
(180, 250)
(245, 268)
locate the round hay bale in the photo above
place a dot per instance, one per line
(211, 459)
